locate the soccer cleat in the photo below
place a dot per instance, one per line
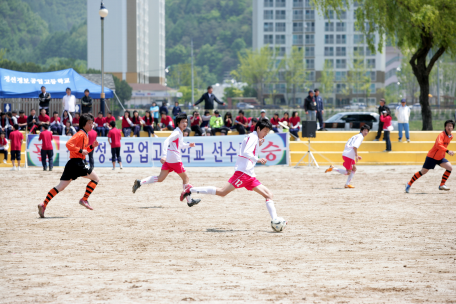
(136, 185)
(85, 204)
(41, 209)
(13, 169)
(349, 186)
(329, 169)
(444, 187)
(407, 188)
(195, 201)
(186, 193)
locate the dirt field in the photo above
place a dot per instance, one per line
(371, 244)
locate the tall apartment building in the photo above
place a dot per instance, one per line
(282, 24)
(134, 39)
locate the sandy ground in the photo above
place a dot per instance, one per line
(371, 244)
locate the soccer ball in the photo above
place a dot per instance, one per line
(278, 224)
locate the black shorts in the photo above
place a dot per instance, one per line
(115, 152)
(430, 163)
(16, 155)
(75, 168)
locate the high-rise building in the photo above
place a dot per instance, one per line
(134, 39)
(332, 38)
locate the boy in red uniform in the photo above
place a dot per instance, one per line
(76, 167)
(114, 137)
(166, 122)
(22, 121)
(436, 156)
(108, 120)
(43, 119)
(241, 123)
(46, 148)
(75, 122)
(99, 125)
(16, 139)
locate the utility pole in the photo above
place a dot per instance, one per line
(193, 95)
(438, 83)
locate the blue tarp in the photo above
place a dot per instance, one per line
(15, 84)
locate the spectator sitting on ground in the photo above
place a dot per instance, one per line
(75, 121)
(216, 124)
(187, 132)
(56, 126)
(99, 125)
(65, 116)
(275, 123)
(126, 124)
(107, 123)
(228, 121)
(44, 119)
(14, 114)
(176, 110)
(32, 122)
(4, 146)
(205, 123)
(286, 118)
(69, 129)
(149, 124)
(22, 121)
(241, 123)
(253, 123)
(166, 122)
(294, 124)
(195, 122)
(16, 139)
(137, 123)
(4, 123)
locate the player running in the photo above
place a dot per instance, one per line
(171, 159)
(77, 166)
(244, 175)
(436, 156)
(350, 156)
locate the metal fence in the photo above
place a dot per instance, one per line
(27, 104)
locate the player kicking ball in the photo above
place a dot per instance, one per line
(244, 175)
(350, 156)
(171, 159)
(77, 166)
(436, 156)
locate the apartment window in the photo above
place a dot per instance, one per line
(310, 64)
(340, 87)
(371, 63)
(280, 15)
(280, 3)
(372, 89)
(341, 76)
(280, 51)
(358, 39)
(341, 39)
(329, 39)
(268, 3)
(310, 51)
(268, 27)
(280, 87)
(369, 37)
(329, 26)
(298, 15)
(372, 76)
(329, 63)
(297, 27)
(341, 27)
(280, 27)
(268, 15)
(329, 15)
(310, 26)
(310, 39)
(341, 63)
(310, 14)
(358, 51)
(280, 39)
(268, 39)
(357, 62)
(329, 51)
(297, 40)
(311, 76)
(342, 15)
(297, 3)
(341, 51)
(368, 52)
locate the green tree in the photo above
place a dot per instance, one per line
(123, 90)
(407, 79)
(420, 25)
(358, 76)
(231, 92)
(294, 71)
(326, 80)
(256, 68)
(187, 93)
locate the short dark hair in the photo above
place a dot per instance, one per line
(55, 112)
(68, 121)
(209, 87)
(46, 126)
(276, 114)
(43, 87)
(179, 117)
(109, 112)
(2, 113)
(449, 121)
(77, 113)
(241, 112)
(216, 112)
(42, 109)
(1, 132)
(86, 90)
(32, 110)
(9, 114)
(316, 90)
(68, 89)
(14, 111)
(84, 119)
(16, 127)
(162, 112)
(100, 113)
(263, 123)
(21, 112)
(112, 123)
(365, 127)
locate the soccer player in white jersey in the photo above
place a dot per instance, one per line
(171, 159)
(244, 175)
(350, 156)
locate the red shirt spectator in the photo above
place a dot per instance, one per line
(286, 119)
(166, 121)
(46, 137)
(275, 122)
(115, 136)
(108, 119)
(92, 136)
(65, 120)
(386, 121)
(75, 121)
(242, 120)
(294, 121)
(125, 123)
(149, 121)
(44, 118)
(99, 121)
(16, 139)
(54, 119)
(196, 121)
(22, 119)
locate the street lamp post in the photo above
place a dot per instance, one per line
(103, 12)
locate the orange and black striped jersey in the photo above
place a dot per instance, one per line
(441, 146)
(77, 143)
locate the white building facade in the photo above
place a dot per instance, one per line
(134, 39)
(283, 24)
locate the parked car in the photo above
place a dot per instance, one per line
(416, 107)
(356, 106)
(348, 121)
(393, 106)
(243, 105)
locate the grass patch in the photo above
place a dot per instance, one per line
(417, 125)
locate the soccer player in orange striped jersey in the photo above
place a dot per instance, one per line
(436, 156)
(77, 166)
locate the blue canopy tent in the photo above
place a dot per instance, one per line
(15, 84)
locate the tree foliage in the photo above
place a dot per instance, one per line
(231, 92)
(123, 89)
(327, 80)
(294, 71)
